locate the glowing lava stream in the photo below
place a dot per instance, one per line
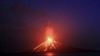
(49, 44)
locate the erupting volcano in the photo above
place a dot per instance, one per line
(49, 44)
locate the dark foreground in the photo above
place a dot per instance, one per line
(67, 51)
(52, 54)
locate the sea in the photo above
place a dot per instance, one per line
(52, 54)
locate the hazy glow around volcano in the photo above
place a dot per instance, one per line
(49, 43)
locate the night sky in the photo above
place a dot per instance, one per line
(76, 23)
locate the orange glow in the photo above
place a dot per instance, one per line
(49, 54)
(49, 40)
(49, 43)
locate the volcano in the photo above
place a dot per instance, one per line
(49, 44)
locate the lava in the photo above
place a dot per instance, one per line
(49, 43)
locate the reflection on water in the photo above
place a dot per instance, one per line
(49, 54)
(68, 54)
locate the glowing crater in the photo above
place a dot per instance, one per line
(49, 43)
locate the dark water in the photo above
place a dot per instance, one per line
(68, 54)
(53, 54)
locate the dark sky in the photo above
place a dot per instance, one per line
(76, 23)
